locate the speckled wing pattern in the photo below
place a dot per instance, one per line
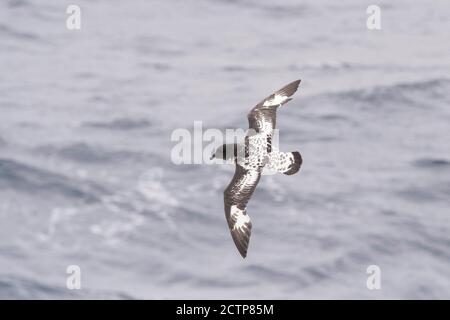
(236, 197)
(258, 153)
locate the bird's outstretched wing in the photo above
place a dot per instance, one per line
(262, 117)
(236, 197)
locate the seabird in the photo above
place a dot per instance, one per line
(250, 159)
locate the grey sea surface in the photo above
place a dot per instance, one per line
(86, 176)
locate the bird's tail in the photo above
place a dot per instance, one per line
(285, 162)
(296, 163)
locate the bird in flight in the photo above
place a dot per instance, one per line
(250, 158)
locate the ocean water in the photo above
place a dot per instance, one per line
(86, 176)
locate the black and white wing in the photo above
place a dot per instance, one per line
(262, 117)
(236, 197)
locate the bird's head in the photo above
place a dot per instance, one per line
(225, 152)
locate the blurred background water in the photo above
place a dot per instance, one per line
(86, 177)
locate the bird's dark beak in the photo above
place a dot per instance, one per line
(212, 156)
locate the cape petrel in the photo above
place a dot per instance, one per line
(250, 158)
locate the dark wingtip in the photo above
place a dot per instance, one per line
(291, 88)
(296, 82)
(241, 245)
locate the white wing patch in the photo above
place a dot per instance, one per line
(276, 100)
(240, 217)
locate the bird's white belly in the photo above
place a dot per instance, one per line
(256, 154)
